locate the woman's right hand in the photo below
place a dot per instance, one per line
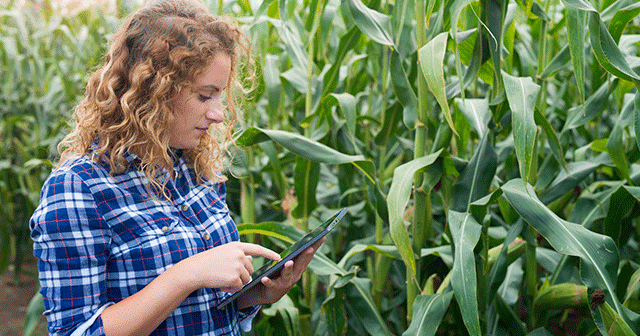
(227, 266)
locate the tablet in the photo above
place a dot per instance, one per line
(273, 268)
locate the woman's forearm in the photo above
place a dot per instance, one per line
(227, 267)
(142, 312)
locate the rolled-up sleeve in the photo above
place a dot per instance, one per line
(245, 317)
(71, 242)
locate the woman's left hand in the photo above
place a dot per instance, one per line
(274, 289)
(289, 275)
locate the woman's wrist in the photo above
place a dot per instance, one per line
(184, 276)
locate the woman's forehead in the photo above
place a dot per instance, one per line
(215, 74)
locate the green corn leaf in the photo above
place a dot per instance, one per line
(539, 332)
(33, 314)
(583, 5)
(552, 136)
(465, 232)
(362, 304)
(390, 124)
(296, 77)
(598, 253)
(603, 43)
(632, 296)
(317, 152)
(347, 42)
(402, 25)
(621, 18)
(5, 247)
(295, 49)
(322, 265)
(431, 57)
(286, 233)
(399, 194)
(280, 181)
(612, 7)
(576, 21)
(428, 311)
(403, 90)
(347, 104)
(494, 13)
(476, 178)
(390, 251)
(558, 62)
(607, 52)
(375, 25)
(633, 191)
(593, 106)
(480, 207)
(443, 252)
(305, 177)
(566, 180)
(272, 84)
(262, 10)
(297, 144)
(477, 112)
(514, 325)
(522, 93)
(591, 207)
(454, 14)
(476, 57)
(513, 279)
(289, 313)
(335, 313)
(501, 262)
(615, 144)
(636, 117)
(610, 322)
(620, 205)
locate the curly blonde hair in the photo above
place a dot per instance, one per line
(158, 52)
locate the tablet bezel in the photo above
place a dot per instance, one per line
(315, 236)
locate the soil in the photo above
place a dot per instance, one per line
(14, 300)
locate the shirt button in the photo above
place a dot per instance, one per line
(165, 229)
(185, 207)
(207, 236)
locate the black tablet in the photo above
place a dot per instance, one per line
(273, 268)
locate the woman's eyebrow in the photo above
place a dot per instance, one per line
(210, 87)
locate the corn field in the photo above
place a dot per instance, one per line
(486, 151)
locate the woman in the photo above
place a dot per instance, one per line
(132, 233)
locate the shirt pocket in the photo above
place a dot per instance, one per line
(139, 220)
(143, 231)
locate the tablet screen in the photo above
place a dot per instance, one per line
(272, 268)
(298, 245)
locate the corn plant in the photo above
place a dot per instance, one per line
(44, 64)
(486, 151)
(485, 196)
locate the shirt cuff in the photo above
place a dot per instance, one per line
(86, 325)
(246, 316)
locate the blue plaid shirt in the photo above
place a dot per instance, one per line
(100, 239)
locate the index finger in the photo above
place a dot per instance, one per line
(259, 251)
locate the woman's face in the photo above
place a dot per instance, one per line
(197, 110)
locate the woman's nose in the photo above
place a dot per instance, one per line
(215, 112)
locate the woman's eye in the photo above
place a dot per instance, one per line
(203, 98)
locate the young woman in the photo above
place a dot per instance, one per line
(133, 234)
